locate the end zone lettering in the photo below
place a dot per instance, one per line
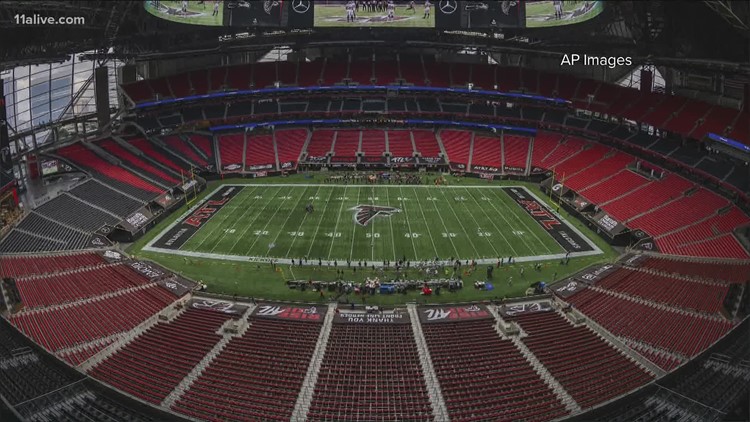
(189, 224)
(205, 212)
(535, 209)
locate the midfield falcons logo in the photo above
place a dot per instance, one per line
(363, 214)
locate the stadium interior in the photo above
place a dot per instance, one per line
(388, 210)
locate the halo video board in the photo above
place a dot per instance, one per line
(438, 14)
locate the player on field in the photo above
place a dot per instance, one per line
(558, 8)
(184, 6)
(350, 11)
(412, 7)
(391, 10)
(427, 6)
(216, 8)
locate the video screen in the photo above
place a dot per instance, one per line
(208, 13)
(472, 14)
(374, 13)
(540, 14)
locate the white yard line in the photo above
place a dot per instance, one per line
(408, 224)
(447, 232)
(249, 225)
(476, 252)
(289, 249)
(428, 228)
(281, 229)
(317, 227)
(226, 216)
(354, 231)
(493, 223)
(390, 221)
(336, 227)
(479, 228)
(286, 198)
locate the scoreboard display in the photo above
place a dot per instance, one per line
(435, 14)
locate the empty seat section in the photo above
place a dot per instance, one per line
(604, 169)
(651, 196)
(87, 159)
(143, 369)
(516, 151)
(334, 72)
(21, 266)
(140, 163)
(724, 271)
(426, 143)
(564, 150)
(486, 152)
(577, 162)
(230, 150)
(204, 144)
(672, 291)
(457, 144)
(680, 213)
(725, 246)
(289, 144)
(238, 77)
(155, 153)
(40, 291)
(217, 77)
(484, 377)
(386, 72)
(180, 85)
(399, 143)
(483, 76)
(320, 143)
(264, 75)
(373, 142)
(260, 151)
(544, 144)
(287, 73)
(181, 146)
(389, 381)
(73, 212)
(309, 73)
(346, 143)
(623, 182)
(589, 369)
(664, 328)
(63, 327)
(242, 382)
(361, 72)
(199, 81)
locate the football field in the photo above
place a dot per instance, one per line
(371, 223)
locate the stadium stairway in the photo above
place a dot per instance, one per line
(439, 410)
(123, 339)
(305, 397)
(570, 403)
(227, 336)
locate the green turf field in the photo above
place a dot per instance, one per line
(231, 274)
(335, 16)
(198, 13)
(542, 13)
(416, 222)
